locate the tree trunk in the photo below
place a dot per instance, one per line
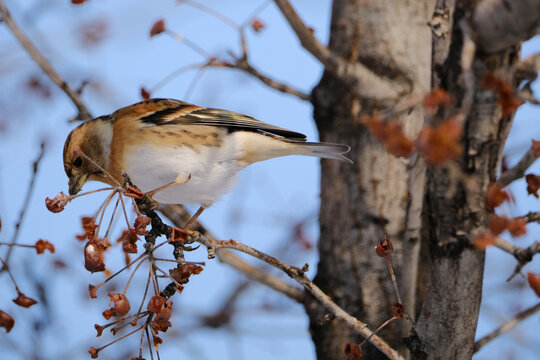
(383, 195)
(380, 194)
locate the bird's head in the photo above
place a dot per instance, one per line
(93, 139)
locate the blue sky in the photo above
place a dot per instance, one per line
(269, 200)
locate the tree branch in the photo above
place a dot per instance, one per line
(299, 276)
(523, 256)
(363, 81)
(244, 65)
(507, 326)
(518, 171)
(500, 24)
(179, 216)
(83, 114)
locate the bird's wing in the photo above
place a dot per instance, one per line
(171, 112)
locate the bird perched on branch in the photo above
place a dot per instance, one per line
(177, 152)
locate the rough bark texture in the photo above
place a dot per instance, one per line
(441, 207)
(373, 197)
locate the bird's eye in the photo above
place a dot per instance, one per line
(77, 162)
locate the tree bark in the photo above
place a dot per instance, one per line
(380, 194)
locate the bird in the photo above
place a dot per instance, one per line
(177, 152)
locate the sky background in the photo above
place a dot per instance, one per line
(272, 199)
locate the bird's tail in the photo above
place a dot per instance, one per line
(326, 150)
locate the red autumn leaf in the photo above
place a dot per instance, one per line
(121, 304)
(534, 282)
(6, 321)
(495, 196)
(24, 301)
(497, 224)
(179, 235)
(482, 241)
(440, 144)
(145, 94)
(398, 310)
(507, 101)
(107, 314)
(517, 227)
(182, 272)
(533, 184)
(157, 340)
(141, 222)
(157, 28)
(89, 228)
(257, 25)
(94, 261)
(437, 98)
(161, 319)
(155, 304)
(133, 193)
(353, 351)
(129, 239)
(536, 148)
(384, 248)
(92, 291)
(390, 133)
(42, 245)
(99, 329)
(58, 203)
(93, 352)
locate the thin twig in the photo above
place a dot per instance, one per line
(522, 255)
(361, 79)
(518, 171)
(84, 114)
(531, 217)
(507, 326)
(35, 166)
(299, 276)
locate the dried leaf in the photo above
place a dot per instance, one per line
(161, 319)
(508, 102)
(141, 222)
(436, 99)
(534, 282)
(536, 148)
(92, 291)
(182, 272)
(517, 227)
(93, 352)
(58, 203)
(129, 239)
(155, 304)
(78, 2)
(133, 193)
(353, 351)
(157, 28)
(99, 329)
(24, 301)
(42, 245)
(257, 25)
(6, 321)
(495, 196)
(533, 184)
(441, 144)
(121, 304)
(179, 235)
(497, 224)
(384, 248)
(390, 133)
(482, 241)
(399, 310)
(145, 94)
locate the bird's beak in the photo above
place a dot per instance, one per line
(76, 182)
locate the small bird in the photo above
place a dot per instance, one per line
(177, 152)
